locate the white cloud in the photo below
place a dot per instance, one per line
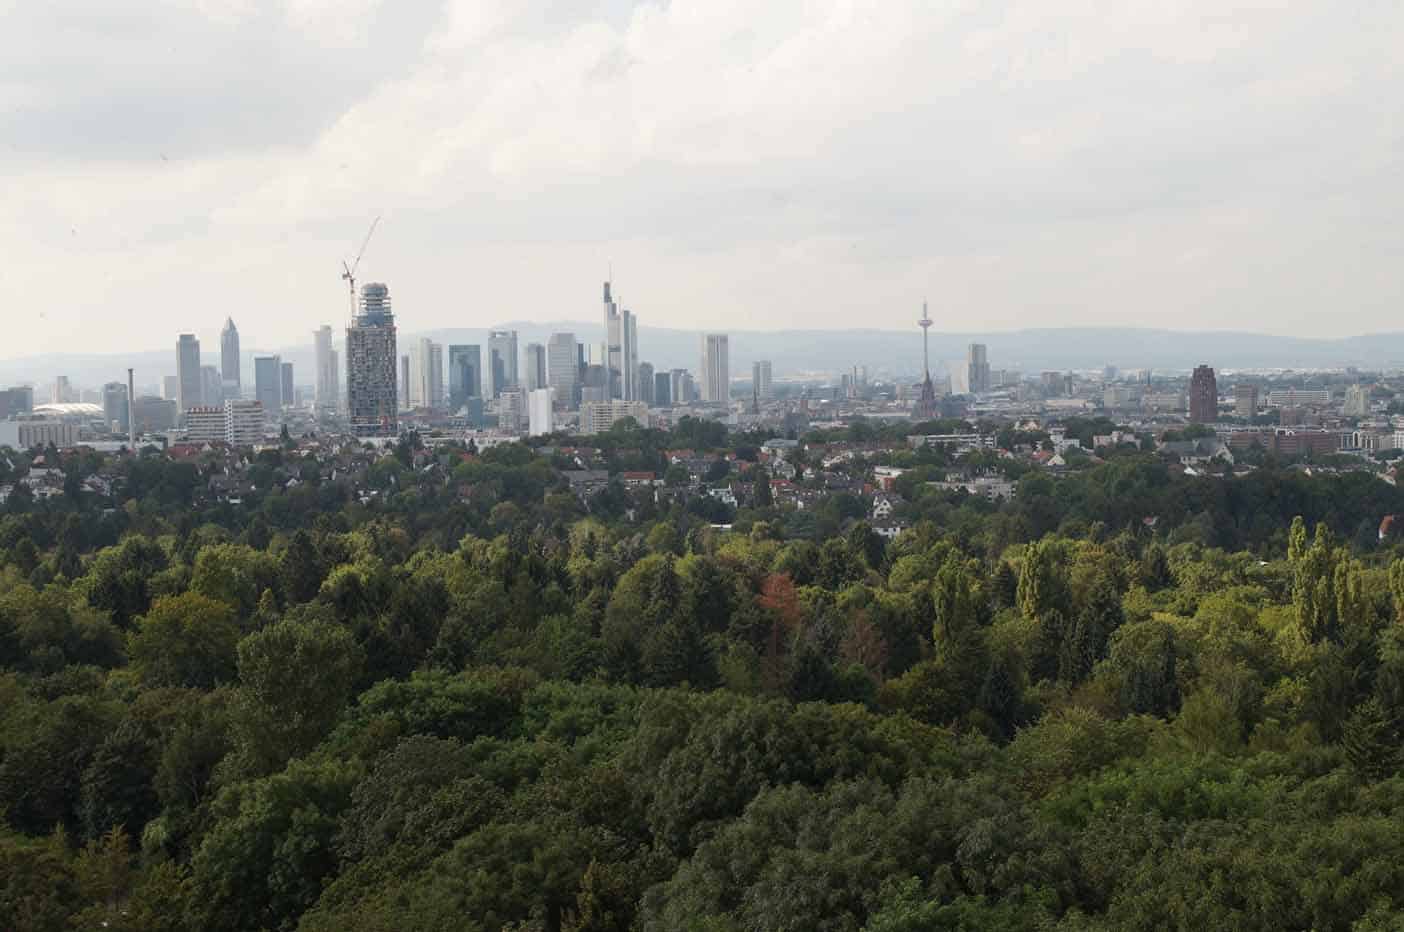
(823, 162)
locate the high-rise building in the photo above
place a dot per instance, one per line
(682, 389)
(1245, 400)
(1204, 396)
(535, 367)
(328, 384)
(563, 368)
(189, 388)
(662, 389)
(977, 369)
(427, 374)
(204, 423)
(645, 382)
(406, 382)
(268, 384)
(716, 369)
(502, 360)
(539, 412)
(170, 388)
(760, 380)
(465, 379)
(594, 384)
(243, 422)
(599, 416)
(18, 399)
(114, 407)
(1357, 401)
(211, 385)
(229, 360)
(511, 409)
(289, 389)
(371, 396)
(153, 414)
(62, 392)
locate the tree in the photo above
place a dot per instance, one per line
(1371, 741)
(299, 569)
(294, 679)
(186, 640)
(1042, 588)
(764, 497)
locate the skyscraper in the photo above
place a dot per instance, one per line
(502, 360)
(371, 396)
(189, 388)
(1204, 396)
(645, 382)
(229, 359)
(760, 380)
(621, 349)
(62, 392)
(328, 384)
(1245, 400)
(427, 374)
(662, 389)
(539, 412)
(115, 410)
(211, 386)
(535, 367)
(465, 378)
(563, 368)
(268, 384)
(1357, 401)
(406, 383)
(977, 369)
(716, 369)
(289, 390)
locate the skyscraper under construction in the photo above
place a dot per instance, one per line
(371, 391)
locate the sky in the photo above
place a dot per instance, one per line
(732, 164)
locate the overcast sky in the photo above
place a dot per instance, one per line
(741, 164)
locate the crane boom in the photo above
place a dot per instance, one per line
(348, 273)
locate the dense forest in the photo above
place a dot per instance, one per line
(1124, 699)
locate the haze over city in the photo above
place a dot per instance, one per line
(785, 165)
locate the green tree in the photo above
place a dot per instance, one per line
(299, 569)
(294, 680)
(185, 640)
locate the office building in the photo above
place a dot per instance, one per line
(465, 379)
(539, 415)
(170, 388)
(114, 407)
(563, 368)
(189, 388)
(328, 381)
(662, 389)
(535, 367)
(426, 375)
(289, 392)
(977, 369)
(599, 416)
(243, 422)
(1298, 397)
(760, 380)
(502, 361)
(1245, 400)
(28, 433)
(620, 356)
(268, 384)
(371, 396)
(716, 371)
(645, 383)
(205, 424)
(62, 391)
(406, 383)
(154, 414)
(229, 360)
(1357, 401)
(1204, 396)
(211, 385)
(18, 399)
(511, 409)
(683, 389)
(594, 384)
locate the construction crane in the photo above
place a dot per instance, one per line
(348, 273)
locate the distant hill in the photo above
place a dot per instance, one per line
(896, 353)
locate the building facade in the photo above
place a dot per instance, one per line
(977, 369)
(190, 388)
(268, 384)
(563, 368)
(243, 422)
(1204, 396)
(372, 398)
(229, 360)
(465, 379)
(536, 377)
(539, 412)
(716, 369)
(502, 361)
(328, 382)
(287, 385)
(1245, 400)
(760, 380)
(599, 416)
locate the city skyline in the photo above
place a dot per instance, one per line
(1201, 167)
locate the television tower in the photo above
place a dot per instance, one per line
(926, 407)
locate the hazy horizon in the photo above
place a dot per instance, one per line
(799, 165)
